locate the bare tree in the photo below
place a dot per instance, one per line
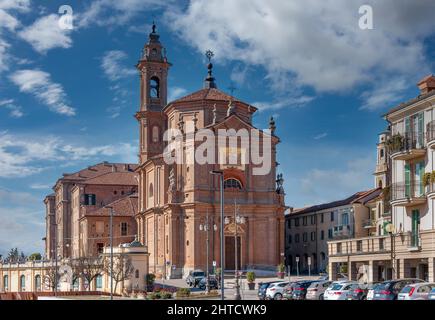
(50, 278)
(87, 268)
(123, 268)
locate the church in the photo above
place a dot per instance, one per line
(179, 201)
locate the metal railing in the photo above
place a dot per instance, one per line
(369, 223)
(406, 141)
(406, 190)
(430, 131)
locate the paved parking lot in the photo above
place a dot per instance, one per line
(245, 293)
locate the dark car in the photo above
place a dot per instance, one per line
(212, 282)
(431, 295)
(388, 290)
(361, 291)
(195, 277)
(300, 289)
(262, 287)
(287, 293)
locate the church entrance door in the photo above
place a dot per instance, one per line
(230, 251)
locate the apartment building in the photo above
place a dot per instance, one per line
(79, 195)
(406, 248)
(308, 229)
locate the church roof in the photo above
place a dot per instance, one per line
(208, 94)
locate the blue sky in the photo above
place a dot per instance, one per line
(67, 97)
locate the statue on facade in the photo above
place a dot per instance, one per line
(279, 184)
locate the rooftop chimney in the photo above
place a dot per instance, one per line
(427, 84)
(113, 168)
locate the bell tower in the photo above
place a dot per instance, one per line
(153, 73)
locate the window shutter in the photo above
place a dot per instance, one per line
(407, 180)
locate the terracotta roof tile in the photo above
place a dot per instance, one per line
(114, 178)
(126, 206)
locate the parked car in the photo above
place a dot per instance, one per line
(317, 289)
(300, 290)
(431, 295)
(389, 290)
(262, 287)
(275, 290)
(416, 291)
(339, 290)
(195, 277)
(287, 293)
(212, 282)
(371, 291)
(362, 291)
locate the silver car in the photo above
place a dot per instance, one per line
(316, 290)
(275, 290)
(416, 291)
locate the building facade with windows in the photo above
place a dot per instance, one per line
(77, 200)
(175, 199)
(309, 229)
(406, 248)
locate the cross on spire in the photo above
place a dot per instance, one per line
(209, 81)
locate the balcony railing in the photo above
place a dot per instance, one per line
(407, 190)
(370, 223)
(430, 131)
(342, 231)
(406, 142)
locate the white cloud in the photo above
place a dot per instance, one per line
(320, 136)
(117, 13)
(22, 156)
(14, 110)
(38, 186)
(312, 43)
(175, 93)
(284, 102)
(39, 84)
(10, 23)
(384, 94)
(45, 34)
(112, 66)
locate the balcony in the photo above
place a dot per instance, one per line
(342, 231)
(370, 223)
(408, 194)
(407, 146)
(430, 134)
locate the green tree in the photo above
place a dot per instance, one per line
(35, 256)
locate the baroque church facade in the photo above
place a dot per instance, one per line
(176, 200)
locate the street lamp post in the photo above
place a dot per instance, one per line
(221, 179)
(206, 227)
(237, 220)
(111, 250)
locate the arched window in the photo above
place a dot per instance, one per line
(151, 190)
(38, 282)
(154, 87)
(5, 283)
(155, 134)
(99, 282)
(23, 283)
(136, 274)
(232, 183)
(322, 256)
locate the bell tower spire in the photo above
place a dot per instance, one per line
(209, 81)
(153, 68)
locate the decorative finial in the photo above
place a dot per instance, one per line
(279, 184)
(272, 126)
(195, 120)
(214, 113)
(154, 27)
(230, 109)
(209, 81)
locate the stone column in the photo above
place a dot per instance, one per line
(404, 268)
(371, 271)
(431, 269)
(332, 267)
